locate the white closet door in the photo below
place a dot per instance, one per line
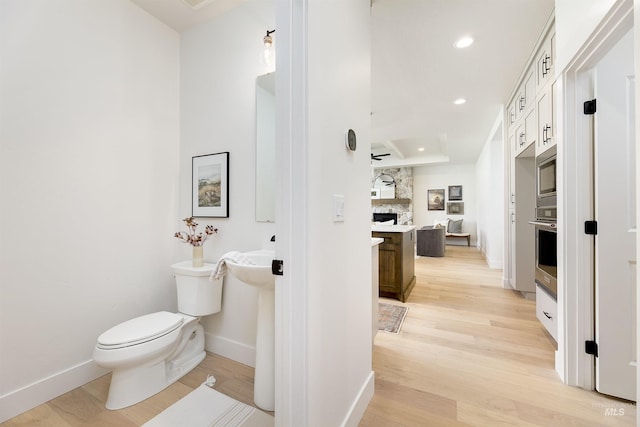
(615, 207)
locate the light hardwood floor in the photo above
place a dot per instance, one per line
(472, 353)
(84, 406)
(469, 353)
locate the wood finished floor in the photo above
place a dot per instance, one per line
(472, 353)
(469, 353)
(84, 406)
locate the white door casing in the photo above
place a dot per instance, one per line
(615, 212)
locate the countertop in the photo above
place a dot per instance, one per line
(393, 228)
(376, 241)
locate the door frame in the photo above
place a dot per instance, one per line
(291, 323)
(575, 204)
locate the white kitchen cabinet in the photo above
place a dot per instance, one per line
(525, 96)
(546, 106)
(547, 311)
(511, 115)
(522, 234)
(545, 61)
(530, 130)
(526, 134)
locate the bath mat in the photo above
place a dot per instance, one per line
(390, 317)
(205, 407)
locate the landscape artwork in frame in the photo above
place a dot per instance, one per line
(210, 185)
(455, 192)
(435, 200)
(455, 208)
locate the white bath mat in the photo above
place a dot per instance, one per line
(205, 407)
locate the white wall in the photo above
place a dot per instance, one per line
(326, 378)
(219, 66)
(490, 187)
(340, 306)
(441, 177)
(89, 158)
(575, 21)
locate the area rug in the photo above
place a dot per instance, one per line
(205, 407)
(390, 317)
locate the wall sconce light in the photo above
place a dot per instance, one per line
(268, 56)
(268, 40)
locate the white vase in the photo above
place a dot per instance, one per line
(198, 257)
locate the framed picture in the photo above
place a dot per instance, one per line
(455, 208)
(455, 192)
(435, 200)
(210, 185)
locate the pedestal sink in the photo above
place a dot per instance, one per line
(259, 275)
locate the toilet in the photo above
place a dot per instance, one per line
(151, 352)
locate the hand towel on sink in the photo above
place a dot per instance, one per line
(221, 267)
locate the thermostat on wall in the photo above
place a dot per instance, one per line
(351, 140)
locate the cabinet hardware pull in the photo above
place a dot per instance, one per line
(544, 134)
(547, 314)
(547, 128)
(547, 67)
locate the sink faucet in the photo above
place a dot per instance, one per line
(273, 238)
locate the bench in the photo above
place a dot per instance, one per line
(460, 236)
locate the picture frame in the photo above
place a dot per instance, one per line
(455, 192)
(455, 208)
(210, 185)
(435, 200)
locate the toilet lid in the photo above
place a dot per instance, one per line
(141, 329)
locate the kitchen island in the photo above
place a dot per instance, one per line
(396, 260)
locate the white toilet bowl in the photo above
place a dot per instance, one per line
(151, 352)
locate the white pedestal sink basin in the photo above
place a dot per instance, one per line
(260, 276)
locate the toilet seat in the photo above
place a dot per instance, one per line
(140, 330)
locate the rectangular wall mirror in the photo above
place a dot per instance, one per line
(265, 148)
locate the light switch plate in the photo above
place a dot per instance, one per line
(338, 208)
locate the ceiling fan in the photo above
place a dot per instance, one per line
(378, 156)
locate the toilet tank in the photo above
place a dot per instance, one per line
(197, 295)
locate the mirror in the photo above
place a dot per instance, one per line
(386, 186)
(265, 148)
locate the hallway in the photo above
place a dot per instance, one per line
(472, 353)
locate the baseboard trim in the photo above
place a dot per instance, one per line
(359, 406)
(18, 401)
(496, 264)
(231, 349)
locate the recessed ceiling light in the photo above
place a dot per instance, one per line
(421, 149)
(459, 101)
(464, 42)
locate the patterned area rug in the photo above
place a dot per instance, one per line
(390, 317)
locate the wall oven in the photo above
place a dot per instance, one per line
(546, 267)
(546, 264)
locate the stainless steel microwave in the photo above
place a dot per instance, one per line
(546, 173)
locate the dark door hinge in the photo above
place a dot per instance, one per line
(591, 227)
(590, 107)
(277, 267)
(591, 347)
